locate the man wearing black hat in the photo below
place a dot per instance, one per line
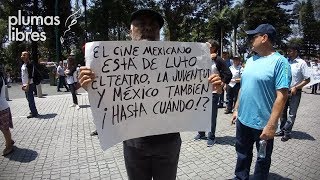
(263, 94)
(152, 156)
(300, 77)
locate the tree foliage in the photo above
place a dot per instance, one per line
(185, 20)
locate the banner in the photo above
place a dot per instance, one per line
(145, 88)
(314, 76)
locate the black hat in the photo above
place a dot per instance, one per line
(150, 13)
(264, 29)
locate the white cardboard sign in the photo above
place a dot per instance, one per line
(145, 88)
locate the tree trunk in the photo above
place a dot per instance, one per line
(34, 44)
(234, 48)
(221, 41)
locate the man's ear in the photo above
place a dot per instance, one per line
(265, 38)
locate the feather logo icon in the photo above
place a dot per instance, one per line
(73, 21)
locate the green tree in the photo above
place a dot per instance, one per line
(268, 11)
(236, 18)
(310, 28)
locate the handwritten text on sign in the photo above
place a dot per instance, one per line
(145, 88)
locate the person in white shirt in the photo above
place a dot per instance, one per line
(27, 83)
(5, 118)
(300, 77)
(61, 76)
(71, 72)
(234, 85)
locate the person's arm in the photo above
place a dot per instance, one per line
(224, 70)
(30, 74)
(306, 80)
(235, 109)
(271, 127)
(299, 86)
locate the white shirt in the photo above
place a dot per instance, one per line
(71, 79)
(25, 75)
(299, 71)
(3, 102)
(60, 70)
(236, 73)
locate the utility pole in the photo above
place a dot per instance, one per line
(56, 28)
(84, 3)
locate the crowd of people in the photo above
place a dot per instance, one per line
(267, 88)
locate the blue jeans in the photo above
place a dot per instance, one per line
(30, 98)
(245, 138)
(214, 113)
(292, 104)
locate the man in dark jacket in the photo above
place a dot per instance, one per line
(219, 67)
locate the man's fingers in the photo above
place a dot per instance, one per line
(84, 68)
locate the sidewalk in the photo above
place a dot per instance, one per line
(58, 145)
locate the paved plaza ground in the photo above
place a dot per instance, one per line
(58, 145)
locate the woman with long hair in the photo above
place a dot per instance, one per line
(71, 73)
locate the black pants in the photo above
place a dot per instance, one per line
(62, 81)
(73, 92)
(159, 161)
(232, 95)
(214, 114)
(314, 88)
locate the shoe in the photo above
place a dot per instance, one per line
(32, 116)
(280, 133)
(77, 107)
(7, 150)
(211, 142)
(58, 91)
(200, 137)
(285, 138)
(73, 105)
(94, 133)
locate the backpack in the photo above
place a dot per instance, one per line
(36, 74)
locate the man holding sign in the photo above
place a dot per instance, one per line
(151, 156)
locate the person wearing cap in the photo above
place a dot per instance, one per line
(150, 157)
(218, 66)
(233, 87)
(300, 77)
(264, 90)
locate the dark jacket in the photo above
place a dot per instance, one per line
(224, 70)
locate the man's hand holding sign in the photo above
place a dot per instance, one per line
(146, 88)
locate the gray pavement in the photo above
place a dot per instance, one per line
(58, 145)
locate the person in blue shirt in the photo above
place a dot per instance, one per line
(264, 90)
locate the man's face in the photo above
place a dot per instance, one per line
(292, 54)
(145, 28)
(225, 56)
(257, 41)
(25, 56)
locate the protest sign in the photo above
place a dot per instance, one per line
(145, 88)
(314, 75)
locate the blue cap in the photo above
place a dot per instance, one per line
(264, 29)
